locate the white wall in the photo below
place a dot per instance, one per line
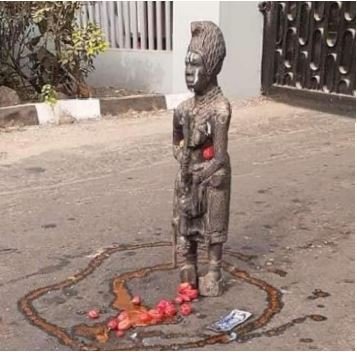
(163, 71)
(134, 69)
(184, 13)
(242, 27)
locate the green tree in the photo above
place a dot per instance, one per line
(42, 44)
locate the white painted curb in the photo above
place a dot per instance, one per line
(72, 108)
(45, 113)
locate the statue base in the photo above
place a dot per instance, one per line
(209, 287)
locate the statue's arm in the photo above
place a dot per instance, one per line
(220, 144)
(177, 136)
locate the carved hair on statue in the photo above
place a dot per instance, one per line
(207, 40)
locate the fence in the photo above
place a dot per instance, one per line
(143, 25)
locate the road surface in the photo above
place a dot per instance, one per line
(72, 193)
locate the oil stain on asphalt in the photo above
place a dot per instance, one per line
(97, 333)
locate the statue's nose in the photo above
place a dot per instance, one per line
(189, 70)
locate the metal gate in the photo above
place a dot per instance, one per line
(309, 48)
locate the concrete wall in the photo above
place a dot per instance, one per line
(184, 13)
(163, 71)
(134, 69)
(242, 26)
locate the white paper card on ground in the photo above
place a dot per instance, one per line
(230, 321)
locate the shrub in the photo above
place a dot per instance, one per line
(42, 44)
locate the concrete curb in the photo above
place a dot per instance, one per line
(22, 115)
(114, 106)
(85, 109)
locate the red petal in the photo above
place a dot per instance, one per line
(179, 300)
(193, 294)
(184, 286)
(112, 324)
(123, 315)
(93, 314)
(156, 314)
(120, 333)
(136, 300)
(145, 317)
(185, 297)
(186, 309)
(124, 324)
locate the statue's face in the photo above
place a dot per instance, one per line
(196, 75)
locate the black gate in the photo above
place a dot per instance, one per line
(309, 48)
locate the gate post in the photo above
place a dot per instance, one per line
(267, 8)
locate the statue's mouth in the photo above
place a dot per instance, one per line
(190, 80)
(190, 83)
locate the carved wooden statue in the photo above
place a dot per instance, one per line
(200, 138)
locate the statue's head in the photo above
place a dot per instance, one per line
(205, 55)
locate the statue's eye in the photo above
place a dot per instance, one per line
(194, 62)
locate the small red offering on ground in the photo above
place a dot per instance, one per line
(186, 309)
(138, 315)
(156, 314)
(112, 324)
(184, 286)
(179, 300)
(120, 333)
(145, 317)
(161, 306)
(122, 315)
(186, 293)
(124, 324)
(170, 310)
(93, 314)
(136, 300)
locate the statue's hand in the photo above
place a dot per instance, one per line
(197, 167)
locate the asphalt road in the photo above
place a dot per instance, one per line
(69, 192)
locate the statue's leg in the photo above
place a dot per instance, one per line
(188, 272)
(212, 283)
(215, 261)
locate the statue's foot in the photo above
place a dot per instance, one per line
(211, 285)
(188, 273)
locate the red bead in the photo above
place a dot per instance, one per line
(208, 153)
